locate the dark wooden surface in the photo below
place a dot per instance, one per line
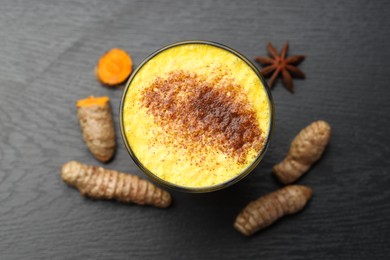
(48, 51)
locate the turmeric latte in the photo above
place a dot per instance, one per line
(196, 115)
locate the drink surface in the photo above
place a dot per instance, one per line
(196, 115)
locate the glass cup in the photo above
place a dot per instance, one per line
(218, 186)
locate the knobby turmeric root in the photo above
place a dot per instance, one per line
(97, 125)
(306, 148)
(114, 67)
(266, 210)
(99, 183)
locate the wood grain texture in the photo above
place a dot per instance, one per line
(48, 52)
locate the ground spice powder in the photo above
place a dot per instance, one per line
(198, 113)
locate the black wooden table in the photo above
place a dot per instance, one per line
(48, 51)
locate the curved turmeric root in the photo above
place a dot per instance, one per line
(97, 125)
(114, 67)
(99, 183)
(306, 148)
(266, 210)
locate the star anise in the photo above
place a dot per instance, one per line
(281, 65)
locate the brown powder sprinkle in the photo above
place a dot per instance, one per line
(198, 113)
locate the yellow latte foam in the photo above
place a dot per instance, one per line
(196, 115)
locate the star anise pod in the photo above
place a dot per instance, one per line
(281, 65)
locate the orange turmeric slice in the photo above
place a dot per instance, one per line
(114, 67)
(91, 100)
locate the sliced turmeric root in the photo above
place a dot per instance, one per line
(99, 183)
(97, 125)
(114, 67)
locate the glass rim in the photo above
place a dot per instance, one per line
(218, 186)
